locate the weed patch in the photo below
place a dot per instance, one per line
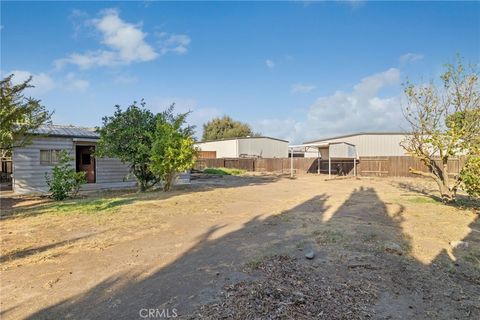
(329, 236)
(224, 171)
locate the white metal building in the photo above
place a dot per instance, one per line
(368, 144)
(248, 147)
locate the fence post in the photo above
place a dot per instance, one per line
(291, 163)
(329, 166)
(318, 161)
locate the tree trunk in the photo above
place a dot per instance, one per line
(167, 184)
(143, 186)
(441, 178)
(448, 195)
(141, 174)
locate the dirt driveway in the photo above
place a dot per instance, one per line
(114, 256)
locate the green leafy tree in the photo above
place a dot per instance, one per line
(226, 127)
(445, 122)
(19, 115)
(470, 173)
(173, 147)
(470, 176)
(64, 181)
(128, 136)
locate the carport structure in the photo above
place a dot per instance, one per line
(330, 150)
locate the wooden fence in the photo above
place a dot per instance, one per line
(399, 166)
(301, 165)
(366, 166)
(238, 163)
(207, 154)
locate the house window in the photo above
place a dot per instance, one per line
(49, 157)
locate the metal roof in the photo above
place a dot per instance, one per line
(66, 131)
(357, 134)
(320, 144)
(240, 138)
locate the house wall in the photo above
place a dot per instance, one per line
(263, 148)
(249, 147)
(342, 150)
(112, 170)
(29, 175)
(313, 153)
(371, 145)
(224, 148)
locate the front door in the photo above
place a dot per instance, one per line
(86, 162)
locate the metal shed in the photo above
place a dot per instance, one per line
(369, 144)
(246, 147)
(330, 150)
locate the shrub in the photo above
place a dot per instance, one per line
(64, 181)
(470, 176)
(224, 171)
(128, 136)
(173, 147)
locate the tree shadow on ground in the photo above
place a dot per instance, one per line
(11, 201)
(83, 205)
(462, 201)
(367, 230)
(31, 251)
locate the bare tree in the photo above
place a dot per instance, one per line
(445, 122)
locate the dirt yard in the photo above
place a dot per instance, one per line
(234, 248)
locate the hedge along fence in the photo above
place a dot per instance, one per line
(397, 166)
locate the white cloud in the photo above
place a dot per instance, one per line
(78, 20)
(125, 38)
(44, 83)
(270, 64)
(301, 88)
(124, 43)
(90, 59)
(177, 43)
(411, 57)
(73, 84)
(362, 109)
(41, 81)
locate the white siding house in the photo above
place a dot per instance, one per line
(37, 158)
(31, 162)
(378, 144)
(248, 147)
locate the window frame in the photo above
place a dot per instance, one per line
(50, 161)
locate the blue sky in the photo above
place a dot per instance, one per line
(294, 70)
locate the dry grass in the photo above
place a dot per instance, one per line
(103, 235)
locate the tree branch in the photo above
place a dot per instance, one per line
(422, 173)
